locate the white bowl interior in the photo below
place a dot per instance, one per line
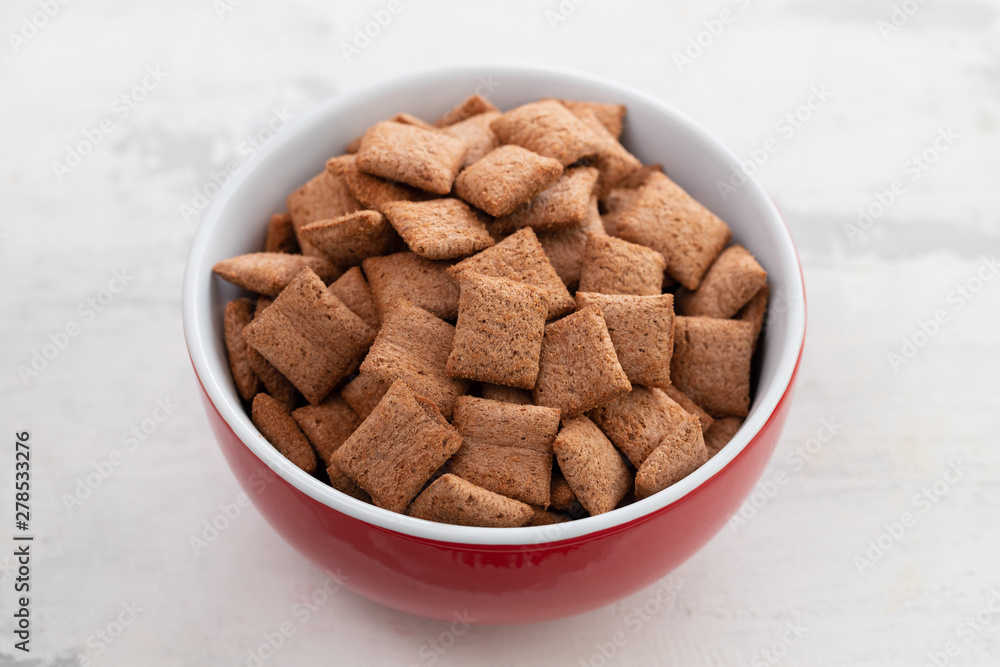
(655, 132)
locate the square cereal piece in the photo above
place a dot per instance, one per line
(281, 235)
(755, 311)
(269, 273)
(720, 433)
(563, 204)
(499, 392)
(613, 266)
(451, 499)
(614, 162)
(473, 105)
(610, 116)
(239, 313)
(543, 517)
(670, 221)
(644, 419)
(351, 238)
(372, 191)
(642, 331)
(506, 448)
(276, 384)
(477, 135)
(591, 465)
(578, 368)
(413, 346)
(564, 247)
(406, 276)
(561, 497)
(345, 484)
(670, 463)
(732, 280)
(323, 197)
(439, 228)
(353, 290)
(520, 258)
(549, 129)
(636, 179)
(498, 336)
(397, 448)
(615, 203)
(363, 393)
(627, 500)
(505, 178)
(711, 363)
(682, 399)
(409, 119)
(275, 423)
(425, 159)
(327, 425)
(296, 331)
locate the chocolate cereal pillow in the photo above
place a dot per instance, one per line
(498, 318)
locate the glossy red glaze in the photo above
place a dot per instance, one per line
(500, 584)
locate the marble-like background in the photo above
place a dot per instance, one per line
(63, 236)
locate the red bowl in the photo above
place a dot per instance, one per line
(494, 575)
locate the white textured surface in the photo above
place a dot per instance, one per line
(793, 562)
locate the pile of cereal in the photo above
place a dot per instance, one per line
(496, 319)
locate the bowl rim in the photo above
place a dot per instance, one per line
(196, 329)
